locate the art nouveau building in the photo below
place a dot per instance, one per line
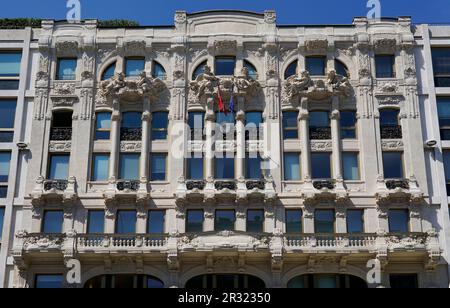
(313, 166)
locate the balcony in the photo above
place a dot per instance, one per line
(251, 185)
(394, 184)
(62, 190)
(128, 185)
(130, 134)
(323, 184)
(102, 243)
(391, 132)
(320, 133)
(225, 185)
(404, 190)
(55, 185)
(330, 242)
(61, 134)
(324, 190)
(129, 190)
(195, 185)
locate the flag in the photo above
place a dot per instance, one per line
(232, 100)
(220, 102)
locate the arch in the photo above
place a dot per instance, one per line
(291, 69)
(341, 68)
(252, 71)
(128, 281)
(109, 71)
(105, 65)
(209, 281)
(332, 281)
(199, 69)
(158, 71)
(347, 61)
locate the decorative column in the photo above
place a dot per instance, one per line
(209, 142)
(146, 119)
(240, 148)
(115, 140)
(336, 139)
(304, 138)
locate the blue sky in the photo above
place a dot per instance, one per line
(160, 12)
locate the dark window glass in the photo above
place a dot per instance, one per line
(96, 222)
(109, 72)
(159, 71)
(255, 221)
(341, 69)
(254, 166)
(446, 157)
(154, 283)
(3, 191)
(158, 167)
(132, 120)
(129, 166)
(196, 122)
(66, 69)
(392, 165)
(441, 67)
(160, 123)
(294, 221)
(290, 125)
(224, 167)
(319, 125)
(100, 167)
(225, 66)
(48, 281)
(156, 222)
(324, 221)
(348, 124)
(291, 166)
(195, 167)
(2, 218)
(62, 119)
(321, 165)
(443, 104)
(126, 222)
(389, 117)
(194, 221)
(53, 222)
(226, 126)
(7, 118)
(385, 66)
(251, 70)
(134, 66)
(10, 64)
(253, 125)
(225, 220)
(403, 281)
(291, 70)
(5, 159)
(355, 221)
(316, 66)
(59, 167)
(9, 84)
(199, 70)
(398, 221)
(102, 125)
(350, 166)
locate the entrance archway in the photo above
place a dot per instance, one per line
(225, 281)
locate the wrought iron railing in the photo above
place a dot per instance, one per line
(61, 133)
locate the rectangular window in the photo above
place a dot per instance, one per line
(194, 221)
(225, 66)
(253, 125)
(398, 221)
(158, 167)
(48, 281)
(2, 218)
(443, 104)
(10, 70)
(66, 69)
(196, 122)
(324, 221)
(129, 166)
(404, 281)
(96, 222)
(102, 126)
(224, 167)
(225, 220)
(446, 156)
(100, 167)
(7, 118)
(126, 222)
(253, 166)
(195, 167)
(160, 123)
(385, 66)
(319, 125)
(5, 159)
(52, 222)
(390, 124)
(134, 66)
(350, 166)
(255, 221)
(393, 165)
(348, 124)
(290, 125)
(321, 165)
(355, 221)
(156, 222)
(225, 126)
(59, 167)
(294, 221)
(292, 167)
(3, 191)
(441, 67)
(316, 66)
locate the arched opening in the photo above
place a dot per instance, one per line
(327, 281)
(225, 281)
(109, 71)
(341, 69)
(199, 70)
(291, 70)
(159, 71)
(124, 281)
(252, 72)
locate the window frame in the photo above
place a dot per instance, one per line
(437, 75)
(380, 75)
(59, 75)
(89, 219)
(158, 154)
(165, 130)
(287, 224)
(94, 155)
(162, 76)
(358, 165)
(316, 57)
(363, 222)
(248, 222)
(225, 158)
(187, 220)
(315, 220)
(216, 70)
(408, 220)
(128, 59)
(317, 154)
(353, 128)
(49, 169)
(102, 130)
(444, 130)
(44, 221)
(164, 222)
(215, 219)
(138, 155)
(189, 168)
(287, 129)
(8, 132)
(11, 81)
(297, 154)
(402, 164)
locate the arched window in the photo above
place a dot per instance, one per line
(327, 281)
(109, 71)
(341, 69)
(291, 70)
(252, 72)
(159, 71)
(199, 70)
(225, 281)
(124, 281)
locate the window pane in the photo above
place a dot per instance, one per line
(446, 155)
(160, 123)
(49, 281)
(195, 168)
(2, 218)
(290, 122)
(319, 119)
(156, 222)
(321, 165)
(253, 166)
(3, 191)
(59, 167)
(132, 119)
(251, 70)
(224, 168)
(443, 104)
(385, 66)
(255, 221)
(10, 64)
(294, 221)
(7, 113)
(194, 221)
(253, 122)
(103, 125)
(100, 169)
(348, 124)
(225, 66)
(96, 222)
(291, 166)
(398, 221)
(159, 71)
(350, 166)
(441, 61)
(5, 158)
(53, 222)
(341, 69)
(66, 69)
(126, 222)
(388, 117)
(325, 282)
(324, 221)
(199, 70)
(134, 67)
(355, 221)
(109, 72)
(316, 65)
(129, 166)
(158, 167)
(291, 70)
(392, 165)
(224, 220)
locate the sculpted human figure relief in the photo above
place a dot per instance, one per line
(297, 84)
(206, 81)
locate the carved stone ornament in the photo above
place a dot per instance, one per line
(60, 146)
(225, 47)
(270, 17)
(64, 88)
(385, 45)
(316, 45)
(67, 48)
(134, 47)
